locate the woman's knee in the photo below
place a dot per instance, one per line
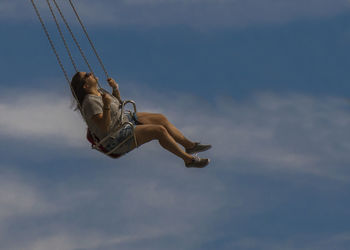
(146, 133)
(162, 119)
(160, 131)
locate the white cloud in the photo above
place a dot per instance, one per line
(151, 201)
(290, 132)
(20, 199)
(79, 240)
(42, 116)
(279, 133)
(302, 242)
(202, 14)
(126, 202)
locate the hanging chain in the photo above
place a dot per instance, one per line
(88, 37)
(62, 36)
(56, 53)
(50, 41)
(65, 42)
(73, 36)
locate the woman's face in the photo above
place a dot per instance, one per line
(90, 81)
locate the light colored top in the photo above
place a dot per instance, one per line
(93, 105)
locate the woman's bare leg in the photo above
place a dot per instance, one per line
(159, 119)
(147, 133)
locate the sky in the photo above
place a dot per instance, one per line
(265, 82)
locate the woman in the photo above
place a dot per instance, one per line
(102, 113)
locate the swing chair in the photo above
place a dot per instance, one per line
(96, 143)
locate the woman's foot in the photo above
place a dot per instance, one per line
(197, 162)
(197, 148)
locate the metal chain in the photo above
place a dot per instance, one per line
(88, 37)
(73, 36)
(50, 41)
(56, 53)
(62, 36)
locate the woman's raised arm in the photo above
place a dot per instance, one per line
(115, 88)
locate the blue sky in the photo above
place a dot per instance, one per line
(265, 82)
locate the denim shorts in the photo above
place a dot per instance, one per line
(124, 138)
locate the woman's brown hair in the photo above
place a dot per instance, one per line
(77, 88)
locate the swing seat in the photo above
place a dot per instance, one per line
(99, 147)
(96, 143)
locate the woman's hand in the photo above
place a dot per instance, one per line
(107, 100)
(113, 83)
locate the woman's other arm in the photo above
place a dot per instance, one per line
(115, 88)
(103, 120)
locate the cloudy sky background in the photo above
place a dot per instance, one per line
(265, 82)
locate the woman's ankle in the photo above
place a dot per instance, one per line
(188, 160)
(190, 145)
